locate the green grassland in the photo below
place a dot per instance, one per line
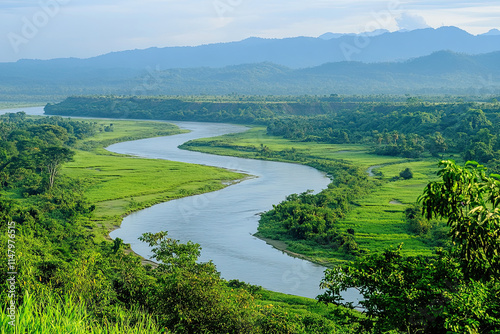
(125, 131)
(15, 104)
(377, 218)
(244, 145)
(119, 184)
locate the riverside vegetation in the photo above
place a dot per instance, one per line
(450, 289)
(70, 279)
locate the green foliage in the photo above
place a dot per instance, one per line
(189, 297)
(455, 291)
(279, 320)
(32, 150)
(416, 221)
(400, 130)
(169, 108)
(469, 200)
(416, 294)
(47, 312)
(406, 174)
(312, 217)
(51, 159)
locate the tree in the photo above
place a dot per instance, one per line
(415, 294)
(437, 144)
(469, 200)
(416, 222)
(190, 297)
(406, 174)
(172, 254)
(481, 152)
(50, 158)
(395, 136)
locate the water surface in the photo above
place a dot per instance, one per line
(223, 222)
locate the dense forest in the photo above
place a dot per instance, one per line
(411, 131)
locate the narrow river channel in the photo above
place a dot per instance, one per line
(223, 222)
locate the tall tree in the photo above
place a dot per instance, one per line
(51, 158)
(469, 200)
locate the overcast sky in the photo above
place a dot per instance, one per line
(44, 29)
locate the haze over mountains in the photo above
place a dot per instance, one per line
(446, 60)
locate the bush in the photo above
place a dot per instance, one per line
(416, 222)
(406, 174)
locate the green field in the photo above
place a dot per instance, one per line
(376, 218)
(120, 184)
(12, 105)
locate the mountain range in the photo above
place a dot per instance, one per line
(297, 52)
(446, 60)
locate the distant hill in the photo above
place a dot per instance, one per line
(443, 72)
(492, 32)
(297, 52)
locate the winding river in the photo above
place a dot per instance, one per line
(223, 222)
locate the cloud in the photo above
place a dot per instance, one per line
(408, 21)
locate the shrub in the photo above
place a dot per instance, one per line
(406, 174)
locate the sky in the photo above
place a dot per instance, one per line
(45, 29)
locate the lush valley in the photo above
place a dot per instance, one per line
(89, 285)
(358, 213)
(385, 191)
(228, 167)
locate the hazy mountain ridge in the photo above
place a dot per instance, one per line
(129, 72)
(442, 72)
(296, 52)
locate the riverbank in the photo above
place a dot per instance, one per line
(376, 219)
(283, 247)
(119, 184)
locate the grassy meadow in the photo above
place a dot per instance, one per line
(377, 218)
(15, 104)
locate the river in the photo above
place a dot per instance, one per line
(223, 222)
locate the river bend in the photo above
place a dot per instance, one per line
(223, 222)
